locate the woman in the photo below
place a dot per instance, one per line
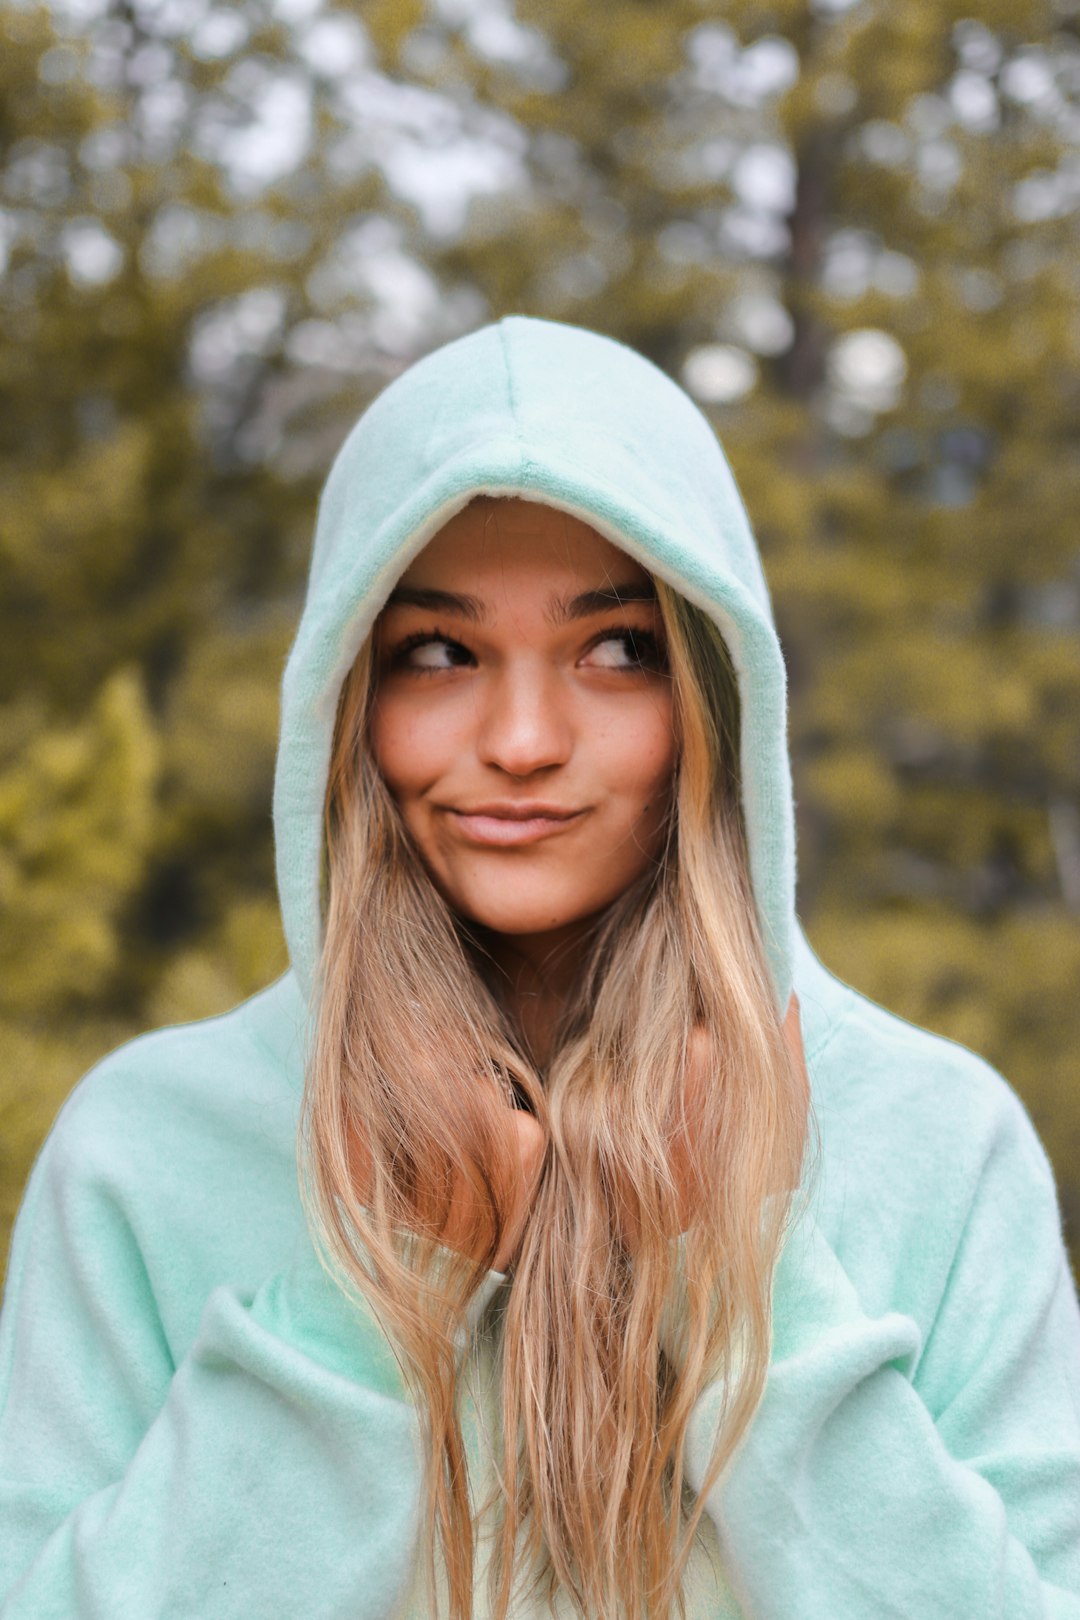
(544, 1036)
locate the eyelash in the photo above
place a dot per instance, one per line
(420, 638)
(643, 641)
(644, 646)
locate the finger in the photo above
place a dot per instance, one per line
(793, 1032)
(531, 1141)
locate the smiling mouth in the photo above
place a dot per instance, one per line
(519, 825)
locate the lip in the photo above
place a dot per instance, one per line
(510, 824)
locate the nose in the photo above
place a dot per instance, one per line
(525, 724)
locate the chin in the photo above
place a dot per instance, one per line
(522, 919)
(521, 924)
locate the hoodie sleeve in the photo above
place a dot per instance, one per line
(904, 1475)
(274, 1470)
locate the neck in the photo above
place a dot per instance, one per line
(533, 979)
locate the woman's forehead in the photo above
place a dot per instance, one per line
(492, 536)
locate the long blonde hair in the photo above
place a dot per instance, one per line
(413, 1054)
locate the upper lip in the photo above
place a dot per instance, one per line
(516, 811)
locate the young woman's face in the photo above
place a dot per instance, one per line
(523, 717)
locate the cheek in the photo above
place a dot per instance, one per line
(408, 745)
(647, 753)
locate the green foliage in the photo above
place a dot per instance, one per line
(169, 419)
(76, 821)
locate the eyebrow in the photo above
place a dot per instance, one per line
(560, 610)
(466, 607)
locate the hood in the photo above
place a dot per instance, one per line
(555, 414)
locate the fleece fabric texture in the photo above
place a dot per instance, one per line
(194, 1420)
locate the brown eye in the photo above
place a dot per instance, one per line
(627, 649)
(429, 653)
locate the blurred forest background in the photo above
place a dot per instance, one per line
(851, 229)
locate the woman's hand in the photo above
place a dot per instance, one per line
(532, 1146)
(530, 1141)
(793, 1036)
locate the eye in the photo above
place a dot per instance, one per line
(428, 652)
(627, 649)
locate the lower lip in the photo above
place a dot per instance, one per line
(501, 831)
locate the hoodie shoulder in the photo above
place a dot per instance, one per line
(878, 1076)
(260, 1039)
(921, 1140)
(174, 1160)
(177, 1107)
(876, 1063)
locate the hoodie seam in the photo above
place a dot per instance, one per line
(832, 1030)
(256, 1037)
(512, 402)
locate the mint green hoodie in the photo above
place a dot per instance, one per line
(196, 1424)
